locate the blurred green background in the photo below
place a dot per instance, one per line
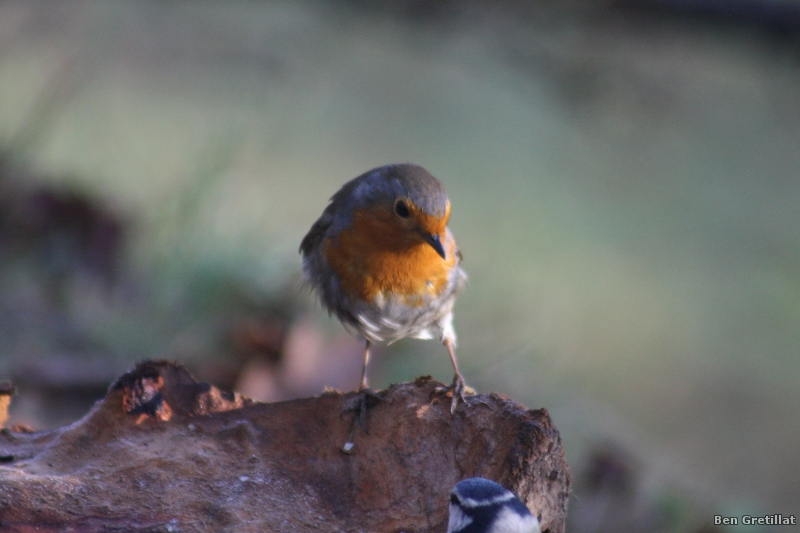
(625, 182)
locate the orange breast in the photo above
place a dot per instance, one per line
(376, 255)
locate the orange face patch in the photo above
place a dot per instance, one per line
(381, 253)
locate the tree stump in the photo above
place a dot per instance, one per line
(162, 452)
(7, 390)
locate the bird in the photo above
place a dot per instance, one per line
(478, 505)
(382, 259)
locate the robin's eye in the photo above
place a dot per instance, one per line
(401, 209)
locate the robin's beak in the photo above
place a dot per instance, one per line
(436, 242)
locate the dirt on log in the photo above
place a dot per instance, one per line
(162, 452)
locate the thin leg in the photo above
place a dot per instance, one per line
(449, 344)
(459, 386)
(364, 371)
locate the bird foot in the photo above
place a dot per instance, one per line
(458, 391)
(361, 403)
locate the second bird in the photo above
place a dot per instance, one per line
(382, 258)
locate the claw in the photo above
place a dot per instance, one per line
(366, 399)
(458, 389)
(458, 393)
(459, 386)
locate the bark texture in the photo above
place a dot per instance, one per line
(164, 453)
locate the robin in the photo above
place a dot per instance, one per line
(382, 258)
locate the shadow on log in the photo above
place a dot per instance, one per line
(164, 453)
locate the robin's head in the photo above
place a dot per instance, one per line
(402, 205)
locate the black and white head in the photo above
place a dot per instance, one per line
(478, 505)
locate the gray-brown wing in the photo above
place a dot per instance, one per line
(317, 232)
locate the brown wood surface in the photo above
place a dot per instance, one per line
(164, 453)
